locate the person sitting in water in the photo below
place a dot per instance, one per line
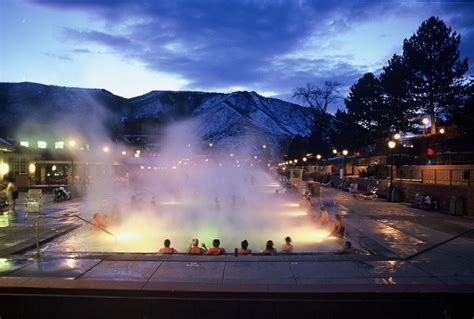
(215, 250)
(323, 215)
(97, 221)
(339, 227)
(348, 249)
(269, 250)
(244, 250)
(287, 247)
(194, 248)
(167, 249)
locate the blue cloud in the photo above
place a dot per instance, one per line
(218, 45)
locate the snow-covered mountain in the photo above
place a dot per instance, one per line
(224, 119)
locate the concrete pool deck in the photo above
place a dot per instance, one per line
(393, 233)
(18, 232)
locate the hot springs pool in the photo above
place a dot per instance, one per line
(261, 216)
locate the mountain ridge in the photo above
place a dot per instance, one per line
(240, 114)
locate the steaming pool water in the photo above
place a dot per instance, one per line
(258, 217)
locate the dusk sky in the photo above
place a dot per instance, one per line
(133, 47)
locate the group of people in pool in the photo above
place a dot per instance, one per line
(216, 250)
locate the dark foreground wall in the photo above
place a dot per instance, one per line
(97, 303)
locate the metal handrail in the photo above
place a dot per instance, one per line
(58, 217)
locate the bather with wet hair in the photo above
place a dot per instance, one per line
(215, 250)
(194, 248)
(269, 250)
(244, 248)
(288, 246)
(168, 250)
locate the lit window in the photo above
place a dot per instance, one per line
(42, 144)
(25, 143)
(59, 144)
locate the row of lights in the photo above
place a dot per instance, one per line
(44, 144)
(295, 161)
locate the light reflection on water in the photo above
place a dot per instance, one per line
(180, 221)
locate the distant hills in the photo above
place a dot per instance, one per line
(224, 119)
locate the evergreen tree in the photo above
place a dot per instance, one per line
(297, 147)
(434, 68)
(397, 111)
(463, 118)
(347, 133)
(364, 104)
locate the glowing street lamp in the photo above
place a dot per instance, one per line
(391, 146)
(345, 152)
(264, 146)
(124, 153)
(32, 168)
(397, 136)
(255, 157)
(106, 149)
(211, 145)
(295, 161)
(318, 157)
(442, 131)
(305, 159)
(334, 151)
(425, 122)
(53, 168)
(72, 143)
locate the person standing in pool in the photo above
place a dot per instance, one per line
(12, 193)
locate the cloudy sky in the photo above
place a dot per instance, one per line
(268, 46)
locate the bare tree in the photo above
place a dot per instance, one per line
(319, 98)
